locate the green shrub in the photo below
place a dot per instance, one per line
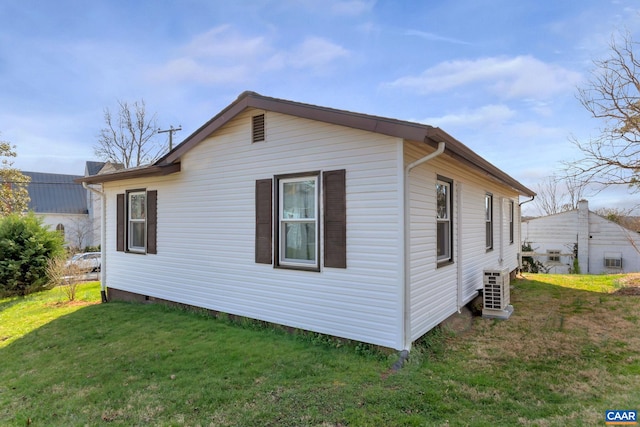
(26, 245)
(529, 263)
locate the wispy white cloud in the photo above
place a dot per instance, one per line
(497, 121)
(224, 55)
(434, 37)
(316, 52)
(190, 69)
(515, 77)
(224, 42)
(488, 115)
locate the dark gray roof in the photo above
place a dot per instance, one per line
(92, 168)
(56, 193)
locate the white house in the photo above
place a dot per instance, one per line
(602, 246)
(61, 203)
(64, 205)
(357, 226)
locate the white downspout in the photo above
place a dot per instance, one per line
(407, 245)
(458, 250)
(501, 233)
(103, 241)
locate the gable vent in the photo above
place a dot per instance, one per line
(257, 128)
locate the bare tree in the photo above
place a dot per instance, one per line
(67, 275)
(616, 215)
(80, 231)
(621, 217)
(129, 137)
(575, 190)
(612, 95)
(548, 197)
(559, 194)
(14, 197)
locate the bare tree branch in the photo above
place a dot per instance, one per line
(129, 138)
(612, 95)
(559, 194)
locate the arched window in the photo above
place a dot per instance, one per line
(60, 229)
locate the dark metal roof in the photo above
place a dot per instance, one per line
(56, 193)
(92, 168)
(383, 125)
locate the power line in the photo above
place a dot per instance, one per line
(171, 131)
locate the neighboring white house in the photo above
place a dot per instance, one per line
(61, 203)
(602, 245)
(357, 226)
(64, 205)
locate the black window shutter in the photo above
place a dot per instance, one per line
(335, 218)
(120, 226)
(264, 225)
(152, 221)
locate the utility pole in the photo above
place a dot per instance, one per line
(171, 131)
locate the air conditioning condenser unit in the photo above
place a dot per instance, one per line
(495, 294)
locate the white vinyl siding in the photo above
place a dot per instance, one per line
(602, 237)
(437, 293)
(206, 231)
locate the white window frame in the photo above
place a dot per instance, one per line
(512, 229)
(445, 219)
(131, 221)
(282, 222)
(553, 256)
(488, 217)
(613, 258)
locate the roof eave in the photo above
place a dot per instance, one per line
(143, 172)
(386, 126)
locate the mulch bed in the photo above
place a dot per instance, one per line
(630, 285)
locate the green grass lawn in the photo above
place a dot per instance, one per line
(570, 351)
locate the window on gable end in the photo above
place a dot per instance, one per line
(306, 209)
(136, 221)
(257, 128)
(298, 221)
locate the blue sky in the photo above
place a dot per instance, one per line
(499, 75)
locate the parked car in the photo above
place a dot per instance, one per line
(88, 261)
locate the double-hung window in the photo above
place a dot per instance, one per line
(307, 208)
(443, 219)
(298, 221)
(488, 219)
(137, 221)
(511, 221)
